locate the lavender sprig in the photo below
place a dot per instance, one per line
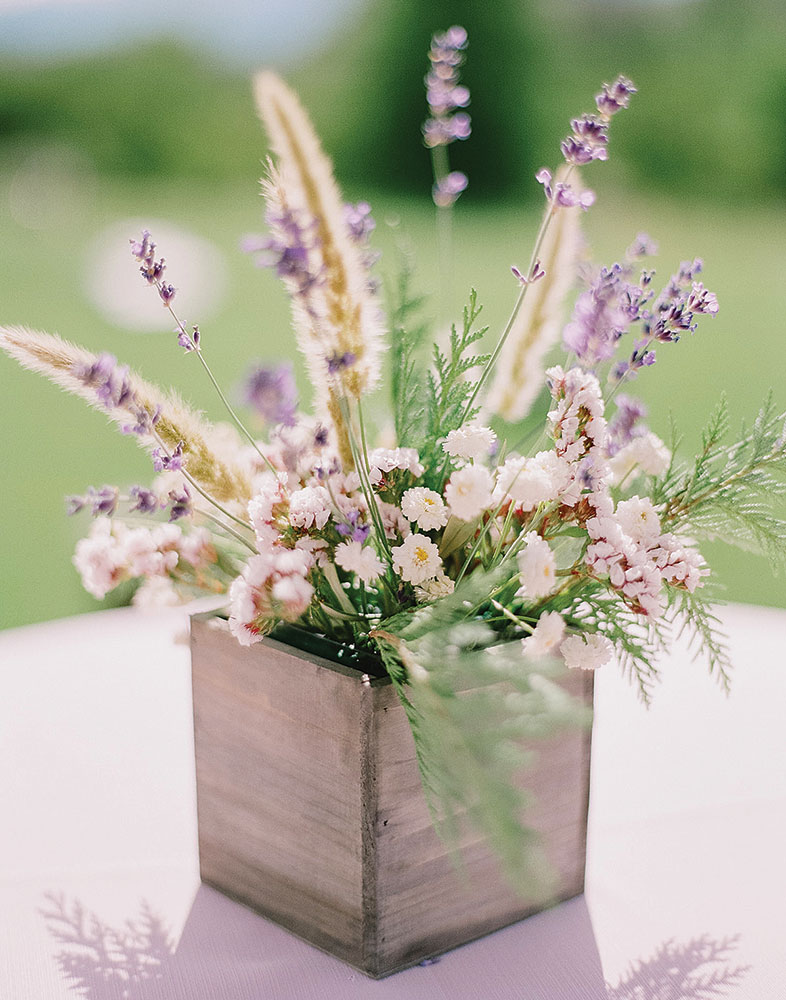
(152, 271)
(271, 391)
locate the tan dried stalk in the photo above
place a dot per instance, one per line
(339, 316)
(57, 359)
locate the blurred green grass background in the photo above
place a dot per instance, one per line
(698, 162)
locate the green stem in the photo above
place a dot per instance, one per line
(238, 422)
(516, 308)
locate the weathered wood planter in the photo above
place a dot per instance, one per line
(311, 809)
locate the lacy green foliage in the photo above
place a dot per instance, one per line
(477, 707)
(406, 339)
(694, 613)
(730, 491)
(449, 389)
(637, 643)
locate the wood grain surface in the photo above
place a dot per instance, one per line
(311, 810)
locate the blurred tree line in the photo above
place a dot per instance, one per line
(710, 115)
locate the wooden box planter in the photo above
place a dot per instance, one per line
(311, 809)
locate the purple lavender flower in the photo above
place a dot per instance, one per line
(599, 319)
(614, 97)
(74, 504)
(101, 501)
(114, 391)
(680, 301)
(562, 194)
(447, 189)
(626, 423)
(337, 362)
(642, 246)
(586, 142)
(271, 391)
(443, 93)
(188, 341)
(360, 223)
(162, 462)
(351, 529)
(144, 500)
(179, 503)
(287, 251)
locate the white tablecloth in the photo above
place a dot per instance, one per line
(99, 885)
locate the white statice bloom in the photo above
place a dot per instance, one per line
(537, 567)
(432, 590)
(643, 455)
(315, 547)
(291, 595)
(196, 548)
(639, 520)
(548, 634)
(586, 651)
(309, 507)
(362, 560)
(577, 421)
(417, 559)
(156, 592)
(532, 481)
(425, 507)
(273, 585)
(99, 558)
(151, 552)
(267, 505)
(393, 521)
(384, 460)
(469, 442)
(243, 611)
(469, 492)
(679, 562)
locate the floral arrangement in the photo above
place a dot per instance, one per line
(464, 560)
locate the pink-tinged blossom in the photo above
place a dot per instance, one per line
(383, 461)
(545, 640)
(273, 586)
(469, 492)
(309, 507)
(577, 422)
(587, 651)
(156, 592)
(639, 520)
(417, 559)
(537, 568)
(394, 522)
(99, 559)
(646, 455)
(196, 548)
(268, 509)
(469, 442)
(680, 564)
(362, 560)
